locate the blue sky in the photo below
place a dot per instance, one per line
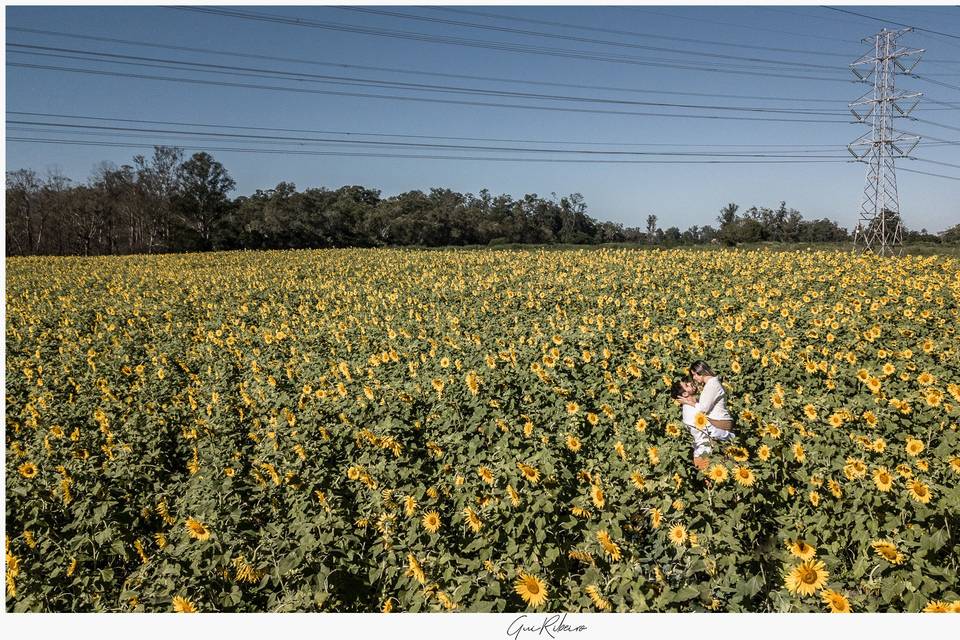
(681, 195)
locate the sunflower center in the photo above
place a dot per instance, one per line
(808, 576)
(533, 587)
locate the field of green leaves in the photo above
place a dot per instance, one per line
(396, 430)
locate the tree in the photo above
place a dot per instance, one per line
(202, 201)
(651, 227)
(25, 217)
(157, 186)
(951, 235)
(728, 215)
(728, 222)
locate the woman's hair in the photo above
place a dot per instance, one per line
(701, 368)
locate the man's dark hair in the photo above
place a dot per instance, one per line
(676, 389)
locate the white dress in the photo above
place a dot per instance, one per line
(702, 439)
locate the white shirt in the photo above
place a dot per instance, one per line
(689, 414)
(702, 438)
(712, 400)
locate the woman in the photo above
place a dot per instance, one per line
(712, 400)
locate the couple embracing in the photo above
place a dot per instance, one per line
(705, 414)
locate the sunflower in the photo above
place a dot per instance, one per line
(814, 498)
(473, 382)
(640, 425)
(485, 474)
(882, 478)
(810, 411)
(656, 517)
(806, 578)
(354, 472)
(801, 549)
(431, 521)
(573, 443)
(473, 520)
(889, 369)
(638, 480)
(678, 534)
(855, 468)
(835, 489)
(837, 602)
(531, 474)
(777, 401)
(532, 589)
(743, 476)
(870, 418)
(610, 547)
(414, 570)
(410, 505)
(887, 550)
(937, 606)
(598, 600)
(673, 430)
(514, 495)
(739, 454)
(596, 494)
(700, 421)
(653, 453)
(717, 473)
(835, 420)
(197, 530)
(620, 449)
(183, 605)
(580, 512)
(28, 470)
(955, 464)
(798, 454)
(925, 378)
(914, 446)
(763, 452)
(919, 491)
(572, 407)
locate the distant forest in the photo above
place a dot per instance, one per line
(168, 203)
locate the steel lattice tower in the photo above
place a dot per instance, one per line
(879, 228)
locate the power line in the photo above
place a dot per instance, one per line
(927, 173)
(128, 132)
(430, 157)
(345, 80)
(329, 79)
(499, 46)
(925, 78)
(541, 34)
(103, 128)
(398, 135)
(899, 24)
(742, 26)
(240, 54)
(935, 124)
(500, 16)
(943, 164)
(244, 85)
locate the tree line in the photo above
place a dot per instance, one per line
(169, 203)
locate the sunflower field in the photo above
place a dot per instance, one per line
(482, 431)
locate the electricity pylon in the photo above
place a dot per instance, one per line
(878, 229)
